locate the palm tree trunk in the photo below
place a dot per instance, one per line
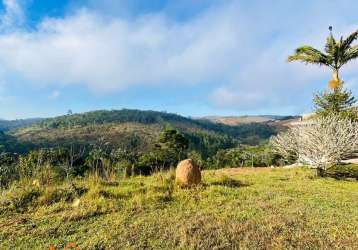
(336, 82)
(335, 75)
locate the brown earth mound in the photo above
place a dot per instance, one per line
(188, 173)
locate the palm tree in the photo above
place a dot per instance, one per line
(335, 55)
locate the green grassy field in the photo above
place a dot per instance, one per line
(246, 209)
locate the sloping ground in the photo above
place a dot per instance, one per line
(248, 209)
(237, 120)
(135, 129)
(117, 135)
(8, 125)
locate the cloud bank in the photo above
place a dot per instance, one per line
(13, 14)
(113, 54)
(238, 48)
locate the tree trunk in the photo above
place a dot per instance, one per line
(320, 172)
(335, 75)
(336, 82)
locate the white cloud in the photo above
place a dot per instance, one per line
(113, 54)
(239, 48)
(55, 95)
(13, 14)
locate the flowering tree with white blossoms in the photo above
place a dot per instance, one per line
(320, 143)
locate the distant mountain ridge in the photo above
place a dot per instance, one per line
(247, 119)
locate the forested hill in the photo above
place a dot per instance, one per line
(6, 125)
(243, 132)
(136, 130)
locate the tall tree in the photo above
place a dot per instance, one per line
(336, 54)
(173, 145)
(338, 103)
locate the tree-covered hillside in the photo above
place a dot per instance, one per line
(13, 124)
(138, 129)
(131, 131)
(246, 133)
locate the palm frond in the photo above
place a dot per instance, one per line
(330, 46)
(350, 54)
(346, 43)
(311, 55)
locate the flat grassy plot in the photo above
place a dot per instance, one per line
(246, 209)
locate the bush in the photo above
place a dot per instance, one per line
(8, 172)
(124, 168)
(343, 171)
(19, 198)
(320, 143)
(196, 157)
(244, 156)
(48, 174)
(147, 163)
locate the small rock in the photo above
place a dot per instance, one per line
(76, 202)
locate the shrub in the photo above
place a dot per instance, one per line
(148, 163)
(244, 156)
(124, 167)
(8, 171)
(343, 171)
(321, 143)
(8, 174)
(48, 174)
(19, 197)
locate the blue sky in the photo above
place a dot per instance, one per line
(192, 57)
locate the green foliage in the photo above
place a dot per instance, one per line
(196, 157)
(124, 142)
(124, 161)
(92, 120)
(32, 163)
(207, 144)
(9, 143)
(136, 132)
(67, 193)
(169, 150)
(149, 163)
(103, 116)
(171, 147)
(244, 156)
(337, 53)
(338, 102)
(343, 171)
(10, 125)
(8, 171)
(19, 198)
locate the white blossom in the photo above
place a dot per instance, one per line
(320, 143)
